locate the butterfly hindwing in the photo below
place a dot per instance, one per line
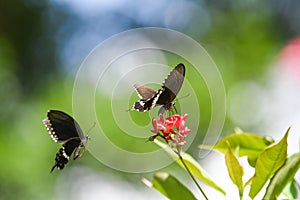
(144, 92)
(61, 159)
(145, 105)
(64, 153)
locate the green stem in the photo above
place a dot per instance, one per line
(190, 173)
(241, 195)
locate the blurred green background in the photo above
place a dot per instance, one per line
(42, 44)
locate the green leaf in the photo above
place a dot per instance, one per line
(290, 190)
(192, 164)
(171, 187)
(268, 162)
(235, 170)
(245, 144)
(283, 177)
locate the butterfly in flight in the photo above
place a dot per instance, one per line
(165, 96)
(63, 128)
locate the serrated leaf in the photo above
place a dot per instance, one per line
(246, 144)
(282, 177)
(235, 170)
(171, 187)
(268, 162)
(193, 166)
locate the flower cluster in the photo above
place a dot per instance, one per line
(171, 129)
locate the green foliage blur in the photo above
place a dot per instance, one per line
(243, 39)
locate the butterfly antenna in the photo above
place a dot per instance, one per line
(183, 96)
(91, 127)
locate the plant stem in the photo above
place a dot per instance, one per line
(190, 173)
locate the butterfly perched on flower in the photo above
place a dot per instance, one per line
(165, 96)
(63, 128)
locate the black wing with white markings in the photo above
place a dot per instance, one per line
(63, 128)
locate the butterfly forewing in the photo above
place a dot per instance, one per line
(62, 126)
(173, 83)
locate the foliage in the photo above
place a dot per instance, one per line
(284, 176)
(193, 165)
(268, 162)
(272, 167)
(235, 170)
(171, 187)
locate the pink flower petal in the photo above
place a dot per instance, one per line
(172, 128)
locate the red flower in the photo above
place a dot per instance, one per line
(172, 128)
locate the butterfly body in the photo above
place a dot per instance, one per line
(165, 96)
(64, 129)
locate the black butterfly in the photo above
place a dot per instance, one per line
(63, 128)
(165, 96)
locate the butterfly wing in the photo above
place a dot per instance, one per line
(147, 96)
(62, 126)
(144, 92)
(172, 85)
(64, 153)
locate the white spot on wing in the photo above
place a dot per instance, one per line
(49, 127)
(64, 153)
